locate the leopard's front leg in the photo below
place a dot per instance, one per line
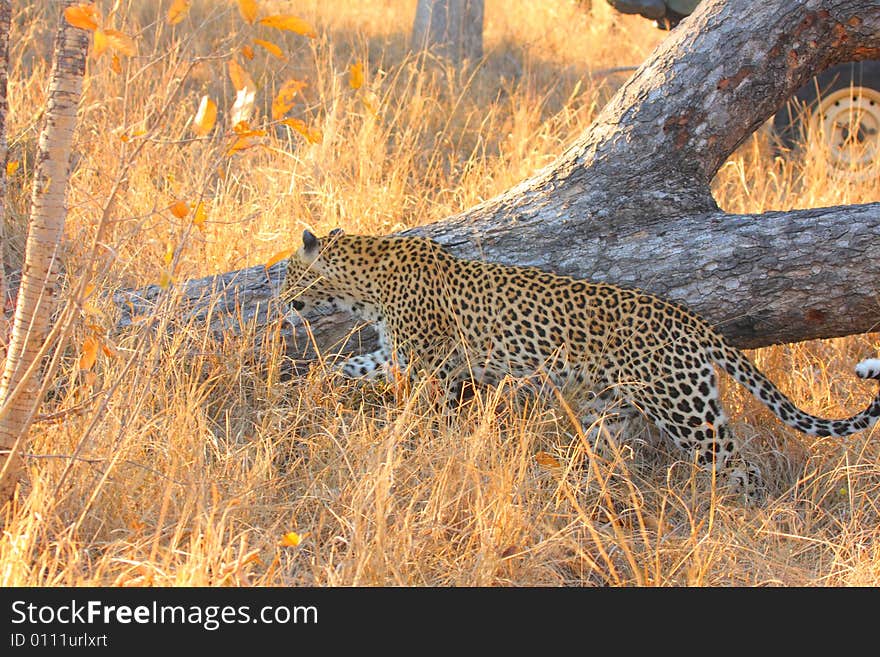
(369, 366)
(374, 364)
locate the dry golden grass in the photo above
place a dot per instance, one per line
(185, 460)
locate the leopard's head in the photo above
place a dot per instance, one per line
(330, 271)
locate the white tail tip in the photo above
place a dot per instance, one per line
(869, 368)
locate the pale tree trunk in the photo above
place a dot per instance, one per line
(452, 29)
(629, 201)
(5, 21)
(36, 294)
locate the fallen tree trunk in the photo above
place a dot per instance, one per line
(762, 279)
(629, 201)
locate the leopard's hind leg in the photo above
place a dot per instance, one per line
(687, 408)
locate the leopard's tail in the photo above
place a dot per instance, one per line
(746, 373)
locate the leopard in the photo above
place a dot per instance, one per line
(471, 322)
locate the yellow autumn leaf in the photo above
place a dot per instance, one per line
(247, 51)
(248, 133)
(290, 23)
(271, 47)
(97, 331)
(356, 75)
(286, 98)
(291, 539)
(169, 253)
(547, 460)
(206, 117)
(89, 353)
(200, 216)
(12, 167)
(109, 350)
(278, 257)
(179, 209)
(298, 125)
(243, 129)
(120, 42)
(240, 78)
(240, 144)
(116, 65)
(280, 108)
(99, 44)
(177, 11)
(248, 10)
(165, 279)
(83, 16)
(125, 138)
(312, 135)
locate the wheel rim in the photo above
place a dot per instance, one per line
(847, 122)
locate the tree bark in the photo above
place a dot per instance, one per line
(5, 22)
(629, 201)
(36, 294)
(452, 29)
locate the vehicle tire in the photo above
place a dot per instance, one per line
(842, 107)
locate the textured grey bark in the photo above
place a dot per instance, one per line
(629, 201)
(36, 294)
(449, 28)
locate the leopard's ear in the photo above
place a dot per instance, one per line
(336, 232)
(311, 244)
